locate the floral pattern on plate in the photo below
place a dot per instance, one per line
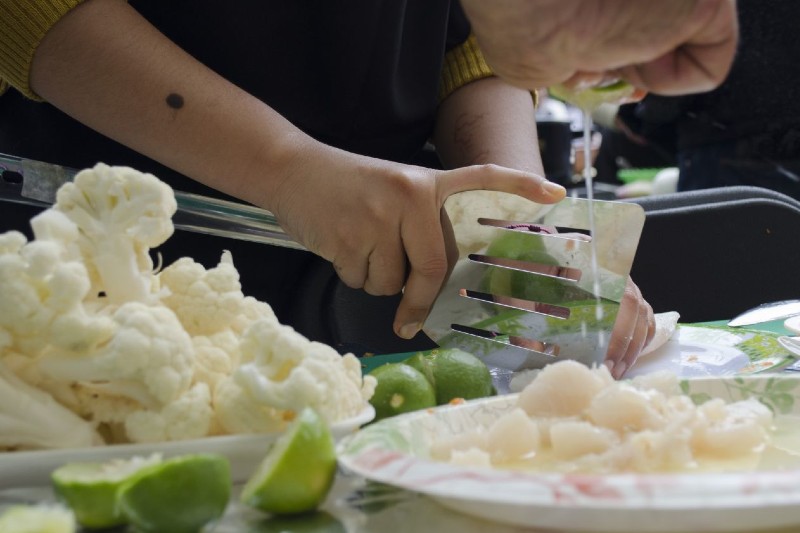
(697, 351)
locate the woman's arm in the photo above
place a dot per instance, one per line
(109, 68)
(488, 121)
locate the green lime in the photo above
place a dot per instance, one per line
(459, 374)
(590, 99)
(298, 470)
(400, 389)
(37, 519)
(178, 495)
(422, 362)
(91, 489)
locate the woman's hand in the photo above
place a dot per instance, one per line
(381, 224)
(663, 46)
(633, 330)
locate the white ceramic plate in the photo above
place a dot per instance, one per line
(395, 451)
(245, 452)
(696, 351)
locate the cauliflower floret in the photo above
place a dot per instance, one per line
(210, 301)
(41, 296)
(216, 357)
(149, 352)
(188, 417)
(239, 412)
(121, 213)
(290, 372)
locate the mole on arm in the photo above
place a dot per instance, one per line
(174, 100)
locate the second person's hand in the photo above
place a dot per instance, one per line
(663, 46)
(633, 331)
(381, 224)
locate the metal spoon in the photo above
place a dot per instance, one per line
(767, 312)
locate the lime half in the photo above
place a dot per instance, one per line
(592, 98)
(37, 519)
(298, 470)
(91, 489)
(178, 495)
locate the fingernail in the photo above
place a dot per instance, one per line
(619, 369)
(553, 189)
(409, 330)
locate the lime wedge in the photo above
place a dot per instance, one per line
(91, 489)
(37, 519)
(298, 470)
(178, 495)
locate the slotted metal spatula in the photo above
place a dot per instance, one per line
(528, 296)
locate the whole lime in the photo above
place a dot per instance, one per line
(454, 374)
(400, 389)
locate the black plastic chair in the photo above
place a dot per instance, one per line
(713, 253)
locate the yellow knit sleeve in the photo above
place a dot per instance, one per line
(464, 64)
(23, 25)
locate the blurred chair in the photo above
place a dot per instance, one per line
(710, 254)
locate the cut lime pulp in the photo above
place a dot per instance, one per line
(91, 489)
(37, 519)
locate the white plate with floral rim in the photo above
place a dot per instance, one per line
(698, 351)
(245, 452)
(396, 451)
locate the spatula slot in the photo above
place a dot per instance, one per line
(553, 271)
(541, 308)
(532, 345)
